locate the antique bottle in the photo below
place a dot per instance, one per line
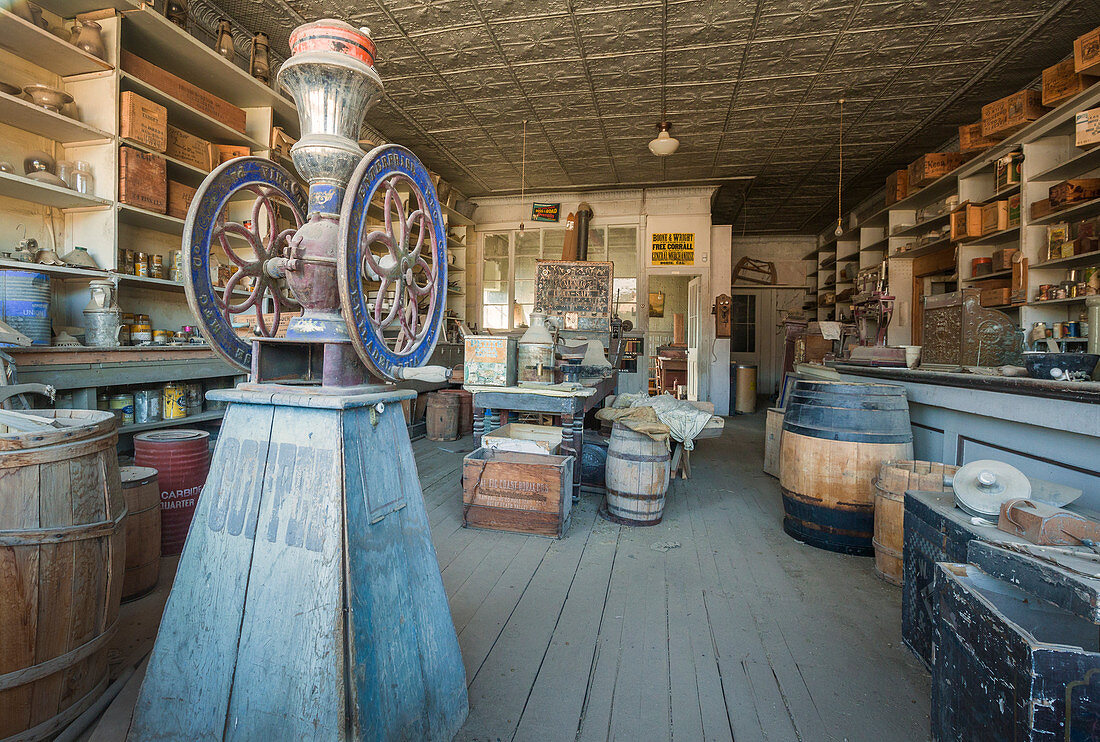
(259, 65)
(224, 46)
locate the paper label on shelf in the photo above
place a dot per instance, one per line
(830, 330)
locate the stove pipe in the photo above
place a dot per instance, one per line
(584, 218)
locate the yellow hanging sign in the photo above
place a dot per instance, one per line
(673, 248)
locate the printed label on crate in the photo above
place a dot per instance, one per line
(545, 212)
(673, 248)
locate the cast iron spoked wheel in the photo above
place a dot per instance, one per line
(278, 205)
(393, 276)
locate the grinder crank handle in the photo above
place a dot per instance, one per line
(430, 374)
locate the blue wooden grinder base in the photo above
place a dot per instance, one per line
(308, 602)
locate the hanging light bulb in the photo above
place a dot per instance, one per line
(840, 176)
(665, 144)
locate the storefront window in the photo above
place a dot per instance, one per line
(495, 278)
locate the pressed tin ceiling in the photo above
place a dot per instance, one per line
(751, 87)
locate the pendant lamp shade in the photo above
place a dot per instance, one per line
(665, 144)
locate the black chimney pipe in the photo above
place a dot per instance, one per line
(584, 218)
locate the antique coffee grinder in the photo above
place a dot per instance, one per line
(308, 602)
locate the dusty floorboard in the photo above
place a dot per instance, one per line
(713, 625)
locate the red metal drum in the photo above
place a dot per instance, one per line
(182, 458)
(332, 35)
(465, 409)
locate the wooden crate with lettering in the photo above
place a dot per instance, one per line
(517, 492)
(182, 90)
(142, 179)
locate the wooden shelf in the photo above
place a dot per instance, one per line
(940, 188)
(23, 114)
(877, 246)
(43, 49)
(1074, 261)
(60, 271)
(921, 226)
(145, 219)
(1004, 193)
(161, 42)
(990, 276)
(24, 189)
(189, 420)
(190, 119)
(940, 244)
(1080, 209)
(997, 238)
(1082, 163)
(1003, 307)
(455, 217)
(1074, 300)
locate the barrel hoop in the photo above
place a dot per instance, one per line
(59, 452)
(846, 436)
(637, 457)
(139, 512)
(886, 494)
(58, 663)
(632, 496)
(847, 507)
(55, 723)
(848, 522)
(842, 544)
(885, 549)
(63, 534)
(623, 521)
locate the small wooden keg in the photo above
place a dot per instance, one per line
(441, 417)
(142, 494)
(836, 435)
(894, 478)
(62, 556)
(636, 478)
(465, 409)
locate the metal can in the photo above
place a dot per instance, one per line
(147, 405)
(1056, 330)
(103, 401)
(160, 337)
(156, 266)
(1072, 329)
(142, 319)
(193, 400)
(141, 264)
(173, 401)
(175, 265)
(126, 260)
(141, 334)
(123, 407)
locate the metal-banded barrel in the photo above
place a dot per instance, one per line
(142, 495)
(836, 435)
(182, 459)
(636, 478)
(25, 303)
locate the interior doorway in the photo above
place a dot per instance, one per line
(674, 367)
(756, 332)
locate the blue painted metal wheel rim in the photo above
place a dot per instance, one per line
(394, 165)
(200, 230)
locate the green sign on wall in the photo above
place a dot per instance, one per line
(545, 212)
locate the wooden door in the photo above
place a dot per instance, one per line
(693, 309)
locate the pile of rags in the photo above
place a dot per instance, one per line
(658, 417)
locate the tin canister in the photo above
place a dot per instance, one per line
(147, 405)
(126, 260)
(123, 407)
(194, 396)
(174, 401)
(141, 334)
(103, 401)
(141, 264)
(156, 266)
(142, 319)
(160, 337)
(1072, 329)
(1056, 330)
(175, 265)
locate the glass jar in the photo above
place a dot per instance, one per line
(80, 178)
(65, 172)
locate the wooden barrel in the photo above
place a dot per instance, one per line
(182, 460)
(142, 494)
(441, 417)
(62, 555)
(465, 409)
(836, 435)
(636, 478)
(894, 478)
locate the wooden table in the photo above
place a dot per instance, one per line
(570, 405)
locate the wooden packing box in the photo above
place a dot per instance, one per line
(1014, 202)
(1006, 171)
(142, 179)
(517, 492)
(966, 222)
(933, 166)
(183, 91)
(897, 186)
(1073, 191)
(227, 152)
(1012, 113)
(281, 142)
(524, 438)
(1011, 663)
(995, 297)
(179, 199)
(1088, 128)
(1041, 208)
(994, 217)
(1086, 53)
(143, 121)
(972, 140)
(245, 325)
(773, 436)
(1061, 82)
(1002, 259)
(490, 360)
(191, 149)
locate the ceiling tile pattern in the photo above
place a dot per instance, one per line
(751, 87)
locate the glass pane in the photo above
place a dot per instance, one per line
(525, 292)
(494, 269)
(496, 245)
(495, 316)
(597, 243)
(526, 309)
(553, 240)
(622, 250)
(527, 243)
(743, 336)
(525, 268)
(625, 299)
